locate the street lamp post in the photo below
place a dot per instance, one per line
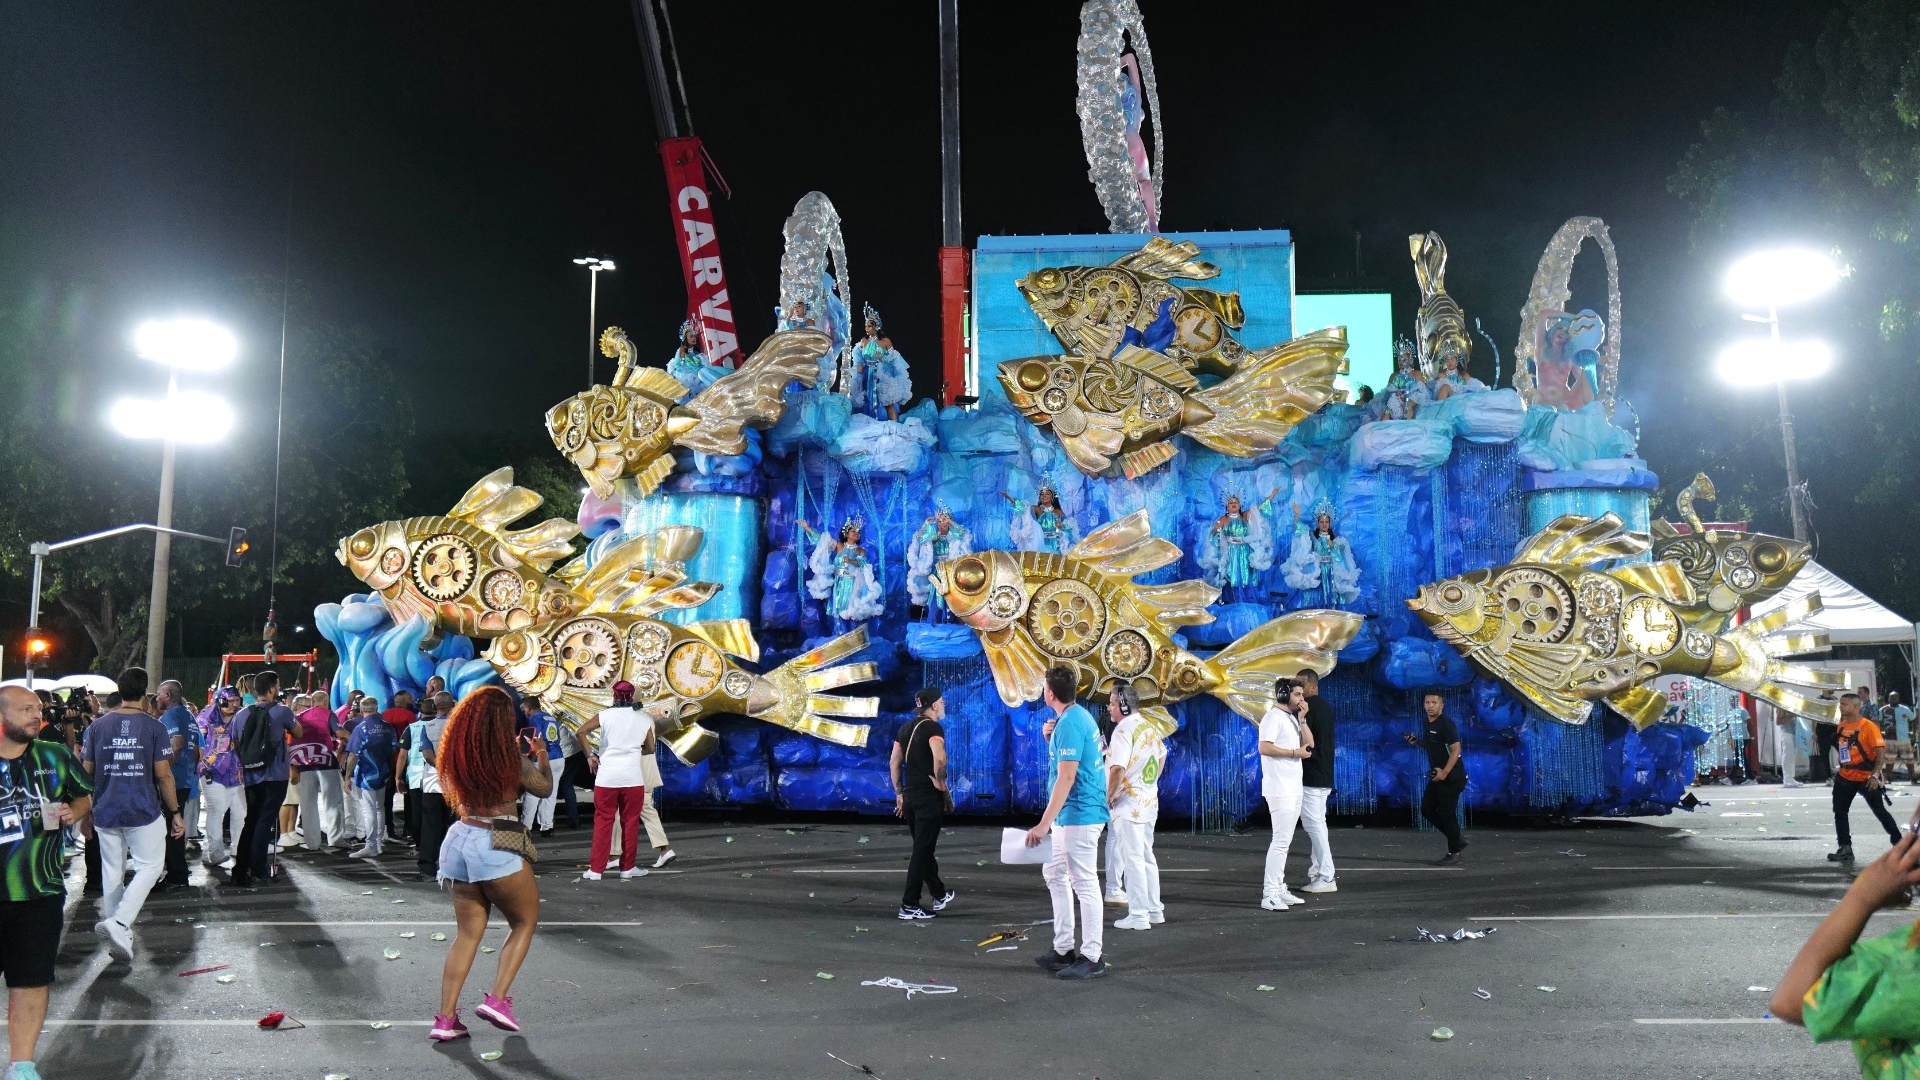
(180, 344)
(1772, 280)
(595, 264)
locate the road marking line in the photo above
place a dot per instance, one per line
(399, 922)
(1619, 918)
(228, 1023)
(1712, 1020)
(1729, 866)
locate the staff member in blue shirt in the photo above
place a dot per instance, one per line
(1076, 815)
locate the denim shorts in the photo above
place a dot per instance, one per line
(467, 854)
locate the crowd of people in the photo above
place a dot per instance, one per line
(144, 780)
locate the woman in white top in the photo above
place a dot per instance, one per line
(620, 779)
(1285, 741)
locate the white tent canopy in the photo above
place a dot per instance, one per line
(1848, 616)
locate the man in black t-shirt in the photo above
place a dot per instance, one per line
(919, 768)
(1447, 775)
(1316, 785)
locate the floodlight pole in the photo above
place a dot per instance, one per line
(1786, 437)
(162, 557)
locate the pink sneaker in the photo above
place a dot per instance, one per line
(447, 1028)
(498, 1011)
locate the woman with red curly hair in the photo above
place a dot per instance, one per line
(483, 768)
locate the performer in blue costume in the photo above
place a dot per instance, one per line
(689, 365)
(1405, 392)
(1321, 565)
(842, 576)
(1238, 548)
(1453, 379)
(940, 539)
(1042, 527)
(880, 381)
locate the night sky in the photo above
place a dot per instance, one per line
(429, 170)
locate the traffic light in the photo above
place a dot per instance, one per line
(39, 646)
(236, 545)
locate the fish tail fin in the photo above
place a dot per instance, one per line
(1244, 672)
(790, 696)
(1746, 661)
(1639, 705)
(1275, 388)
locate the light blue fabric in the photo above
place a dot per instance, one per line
(1077, 738)
(467, 854)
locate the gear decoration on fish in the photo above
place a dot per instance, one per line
(1033, 610)
(1728, 570)
(1117, 414)
(1090, 309)
(1627, 624)
(629, 427)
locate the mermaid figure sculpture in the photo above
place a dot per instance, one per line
(880, 381)
(940, 539)
(1238, 548)
(1321, 566)
(1044, 526)
(842, 576)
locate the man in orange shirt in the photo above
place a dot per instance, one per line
(1859, 744)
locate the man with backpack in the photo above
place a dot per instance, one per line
(264, 728)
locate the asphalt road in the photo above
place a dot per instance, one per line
(716, 971)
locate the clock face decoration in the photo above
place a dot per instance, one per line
(1649, 626)
(694, 669)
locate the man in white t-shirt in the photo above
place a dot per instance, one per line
(620, 781)
(1136, 755)
(1282, 748)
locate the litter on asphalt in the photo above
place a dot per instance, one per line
(892, 983)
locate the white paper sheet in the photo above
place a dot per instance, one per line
(1014, 850)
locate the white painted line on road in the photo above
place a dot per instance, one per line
(1394, 869)
(1728, 866)
(1711, 1020)
(400, 922)
(228, 1023)
(1621, 918)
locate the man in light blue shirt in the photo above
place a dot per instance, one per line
(1076, 815)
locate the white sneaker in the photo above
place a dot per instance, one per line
(120, 941)
(1156, 917)
(1133, 922)
(1319, 887)
(1116, 898)
(666, 857)
(1791, 783)
(1273, 903)
(588, 875)
(1289, 899)
(638, 871)
(368, 852)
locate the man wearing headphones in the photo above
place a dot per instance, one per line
(1136, 755)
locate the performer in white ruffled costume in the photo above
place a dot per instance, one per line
(1044, 526)
(940, 539)
(1238, 547)
(1321, 566)
(880, 381)
(1405, 392)
(689, 365)
(842, 576)
(800, 316)
(1453, 379)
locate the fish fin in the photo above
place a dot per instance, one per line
(692, 743)
(1540, 663)
(544, 544)
(1125, 547)
(1638, 704)
(681, 597)
(1182, 603)
(1797, 704)
(1798, 645)
(1138, 463)
(731, 636)
(1663, 530)
(483, 493)
(1785, 615)
(1579, 541)
(654, 474)
(494, 501)
(1802, 675)
(1246, 670)
(655, 383)
(1158, 720)
(1565, 708)
(1743, 659)
(1274, 389)
(1663, 579)
(1159, 365)
(755, 395)
(1019, 671)
(788, 695)
(1226, 305)
(1162, 258)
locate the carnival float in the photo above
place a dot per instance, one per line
(1147, 472)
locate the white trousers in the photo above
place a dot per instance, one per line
(146, 847)
(1285, 809)
(320, 808)
(1116, 865)
(1072, 876)
(1783, 752)
(536, 812)
(370, 817)
(226, 816)
(649, 817)
(1140, 869)
(1313, 818)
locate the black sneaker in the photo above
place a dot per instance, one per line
(941, 904)
(1845, 854)
(911, 914)
(1056, 962)
(1083, 968)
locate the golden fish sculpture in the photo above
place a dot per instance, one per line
(1034, 610)
(462, 571)
(1440, 327)
(1564, 635)
(1729, 570)
(1118, 414)
(630, 427)
(1090, 308)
